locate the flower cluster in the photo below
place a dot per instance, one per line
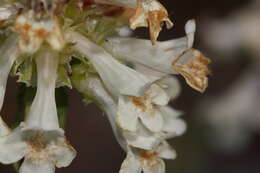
(80, 44)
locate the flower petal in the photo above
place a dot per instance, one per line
(171, 86)
(190, 29)
(193, 66)
(156, 168)
(115, 75)
(141, 51)
(56, 38)
(4, 129)
(127, 115)
(142, 138)
(173, 126)
(152, 120)
(158, 57)
(29, 167)
(166, 151)
(12, 147)
(61, 153)
(147, 70)
(43, 112)
(150, 13)
(8, 54)
(34, 32)
(158, 95)
(130, 164)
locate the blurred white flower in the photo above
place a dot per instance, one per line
(233, 115)
(239, 29)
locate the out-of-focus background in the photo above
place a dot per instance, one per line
(223, 123)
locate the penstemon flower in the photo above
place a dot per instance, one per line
(138, 160)
(170, 57)
(39, 139)
(142, 140)
(78, 43)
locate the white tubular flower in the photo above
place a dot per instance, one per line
(141, 139)
(170, 57)
(33, 32)
(158, 57)
(118, 78)
(8, 54)
(133, 108)
(148, 161)
(39, 139)
(149, 114)
(43, 108)
(161, 120)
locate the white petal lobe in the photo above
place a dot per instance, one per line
(29, 167)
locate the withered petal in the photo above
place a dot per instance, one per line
(194, 69)
(152, 15)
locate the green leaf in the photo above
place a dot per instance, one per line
(25, 69)
(63, 76)
(27, 73)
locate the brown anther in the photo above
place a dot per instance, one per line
(148, 158)
(139, 102)
(41, 33)
(2, 22)
(26, 27)
(37, 144)
(148, 154)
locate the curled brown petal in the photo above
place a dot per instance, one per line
(193, 66)
(150, 13)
